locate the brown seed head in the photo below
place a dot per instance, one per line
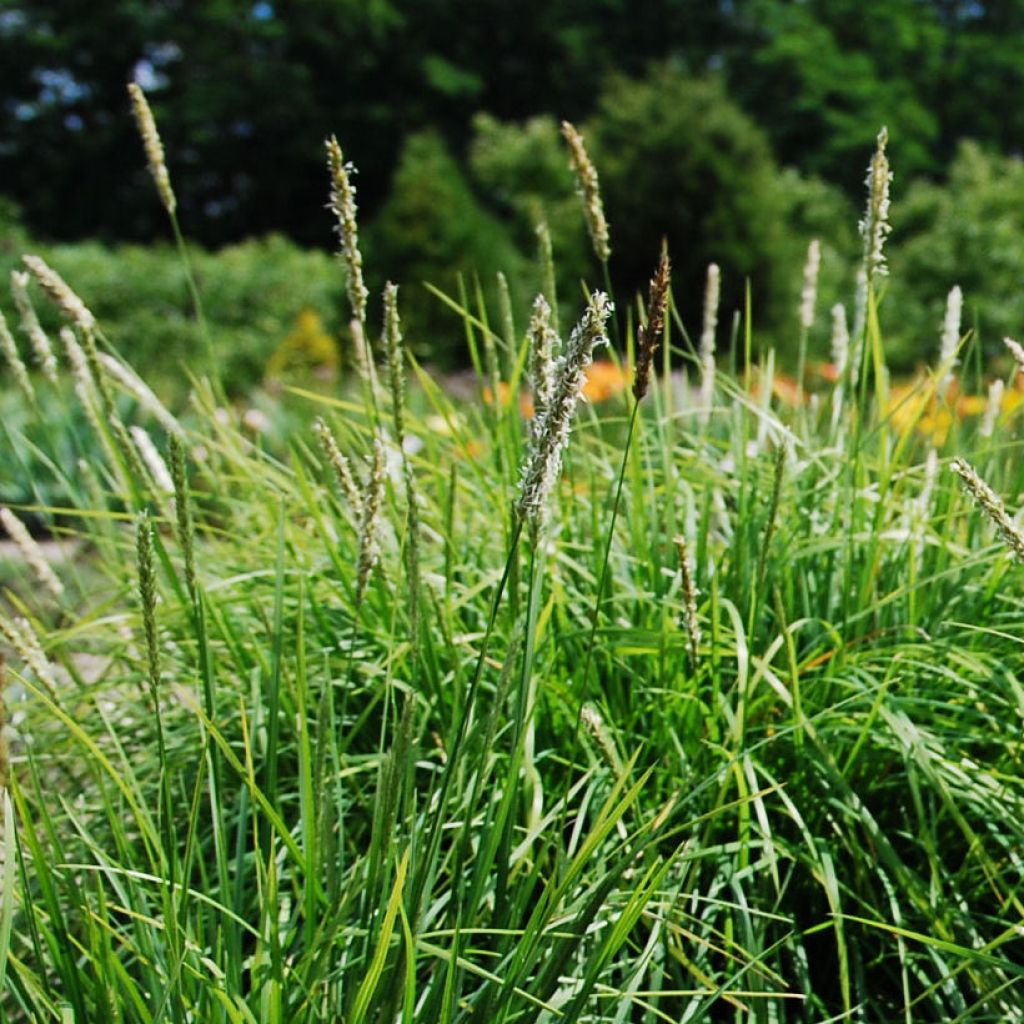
(649, 335)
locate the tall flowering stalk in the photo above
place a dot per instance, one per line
(141, 392)
(340, 465)
(950, 337)
(30, 325)
(991, 505)
(31, 552)
(544, 461)
(808, 299)
(712, 291)
(840, 345)
(153, 146)
(874, 229)
(343, 206)
(154, 149)
(10, 352)
(543, 345)
(992, 409)
(649, 334)
(589, 191)
(60, 294)
(1017, 351)
(395, 347)
(690, 622)
(809, 291)
(369, 525)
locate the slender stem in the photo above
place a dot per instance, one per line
(460, 730)
(607, 550)
(197, 302)
(584, 676)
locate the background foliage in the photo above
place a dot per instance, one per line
(736, 129)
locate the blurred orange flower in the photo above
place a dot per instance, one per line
(605, 380)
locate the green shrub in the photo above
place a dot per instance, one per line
(434, 229)
(251, 294)
(525, 167)
(970, 232)
(677, 158)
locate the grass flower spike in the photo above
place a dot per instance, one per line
(44, 356)
(141, 392)
(992, 410)
(840, 339)
(369, 527)
(950, 337)
(545, 457)
(809, 294)
(589, 190)
(712, 291)
(689, 600)
(543, 341)
(1017, 351)
(23, 640)
(649, 336)
(152, 459)
(875, 227)
(31, 552)
(154, 147)
(10, 351)
(58, 291)
(343, 206)
(989, 502)
(342, 469)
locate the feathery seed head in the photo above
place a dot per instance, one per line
(22, 638)
(1017, 351)
(589, 190)
(30, 325)
(875, 227)
(154, 147)
(689, 600)
(649, 334)
(544, 460)
(58, 291)
(152, 459)
(840, 339)
(147, 594)
(10, 352)
(993, 409)
(369, 527)
(340, 464)
(991, 505)
(31, 552)
(183, 509)
(141, 392)
(343, 206)
(543, 341)
(594, 724)
(809, 294)
(950, 336)
(396, 358)
(712, 291)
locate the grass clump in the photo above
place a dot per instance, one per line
(697, 707)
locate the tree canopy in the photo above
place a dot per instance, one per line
(245, 92)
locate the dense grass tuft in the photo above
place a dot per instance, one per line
(521, 771)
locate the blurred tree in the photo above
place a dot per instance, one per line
(245, 92)
(677, 158)
(971, 233)
(433, 229)
(822, 77)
